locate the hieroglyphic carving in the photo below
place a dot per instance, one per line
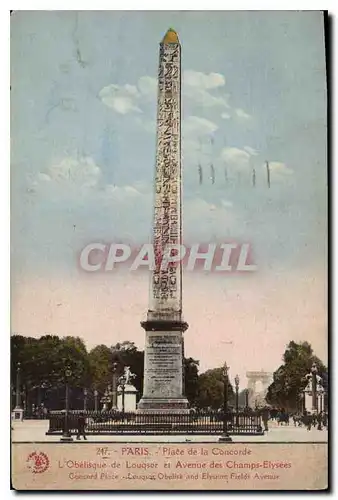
(166, 283)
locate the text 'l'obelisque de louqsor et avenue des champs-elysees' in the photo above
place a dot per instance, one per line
(163, 389)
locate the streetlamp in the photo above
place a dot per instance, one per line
(122, 382)
(85, 394)
(18, 411)
(114, 391)
(314, 371)
(17, 389)
(225, 438)
(66, 437)
(236, 388)
(321, 392)
(246, 399)
(105, 400)
(96, 394)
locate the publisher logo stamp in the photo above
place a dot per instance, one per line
(37, 462)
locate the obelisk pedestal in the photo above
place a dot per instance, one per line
(163, 389)
(163, 367)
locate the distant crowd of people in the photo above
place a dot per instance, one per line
(306, 419)
(39, 411)
(310, 420)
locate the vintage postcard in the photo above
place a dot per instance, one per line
(169, 250)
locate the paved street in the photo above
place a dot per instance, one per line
(35, 430)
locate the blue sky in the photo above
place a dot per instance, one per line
(83, 107)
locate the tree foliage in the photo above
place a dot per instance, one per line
(191, 380)
(211, 389)
(44, 362)
(289, 379)
(101, 361)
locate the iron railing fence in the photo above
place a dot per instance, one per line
(157, 423)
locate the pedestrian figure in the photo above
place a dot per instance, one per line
(81, 427)
(278, 417)
(283, 417)
(307, 419)
(265, 418)
(325, 419)
(319, 421)
(296, 419)
(300, 423)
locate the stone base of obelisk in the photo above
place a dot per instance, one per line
(163, 368)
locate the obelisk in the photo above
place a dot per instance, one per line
(163, 389)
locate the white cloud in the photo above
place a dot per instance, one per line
(43, 177)
(204, 98)
(193, 128)
(251, 151)
(209, 218)
(197, 207)
(203, 80)
(147, 86)
(196, 126)
(235, 157)
(225, 116)
(82, 172)
(124, 99)
(240, 113)
(196, 132)
(280, 173)
(121, 193)
(191, 152)
(121, 99)
(147, 125)
(196, 86)
(72, 178)
(124, 105)
(131, 90)
(128, 98)
(279, 168)
(226, 204)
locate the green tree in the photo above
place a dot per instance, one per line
(44, 361)
(43, 364)
(289, 379)
(19, 351)
(101, 360)
(211, 389)
(72, 353)
(38, 358)
(191, 380)
(18, 344)
(41, 361)
(22, 351)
